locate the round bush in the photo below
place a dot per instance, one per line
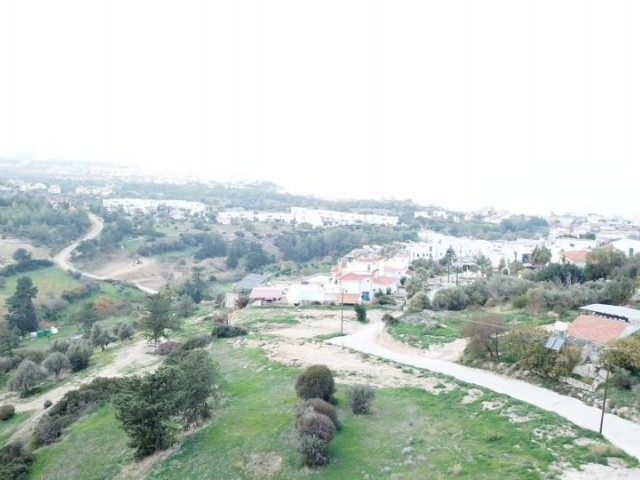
(320, 406)
(197, 341)
(316, 424)
(315, 382)
(315, 452)
(169, 347)
(47, 403)
(6, 412)
(227, 331)
(360, 399)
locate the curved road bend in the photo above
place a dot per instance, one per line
(620, 432)
(62, 258)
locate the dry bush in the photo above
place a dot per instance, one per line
(316, 382)
(320, 406)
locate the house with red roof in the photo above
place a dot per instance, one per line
(575, 257)
(593, 333)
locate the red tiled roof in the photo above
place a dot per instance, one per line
(596, 329)
(350, 277)
(576, 256)
(385, 280)
(348, 298)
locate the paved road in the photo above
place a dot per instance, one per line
(622, 433)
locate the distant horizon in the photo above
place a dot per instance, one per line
(526, 106)
(192, 176)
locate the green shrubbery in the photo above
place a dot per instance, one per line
(227, 331)
(360, 399)
(197, 341)
(325, 408)
(6, 412)
(316, 382)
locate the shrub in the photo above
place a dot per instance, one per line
(169, 347)
(360, 399)
(223, 318)
(197, 341)
(315, 382)
(60, 346)
(315, 452)
(7, 364)
(227, 331)
(47, 403)
(361, 313)
(27, 376)
(124, 331)
(519, 302)
(389, 319)
(451, 299)
(320, 406)
(79, 354)
(55, 363)
(420, 301)
(36, 356)
(624, 379)
(15, 461)
(6, 412)
(312, 423)
(49, 429)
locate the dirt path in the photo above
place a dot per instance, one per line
(62, 258)
(135, 358)
(622, 433)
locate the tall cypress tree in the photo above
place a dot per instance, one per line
(21, 313)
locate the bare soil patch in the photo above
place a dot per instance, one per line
(594, 471)
(348, 366)
(9, 245)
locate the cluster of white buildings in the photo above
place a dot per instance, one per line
(355, 279)
(312, 216)
(175, 208)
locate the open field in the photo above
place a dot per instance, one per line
(9, 245)
(444, 327)
(458, 433)
(51, 282)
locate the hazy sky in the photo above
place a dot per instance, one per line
(528, 105)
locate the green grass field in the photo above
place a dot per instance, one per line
(51, 282)
(451, 324)
(410, 433)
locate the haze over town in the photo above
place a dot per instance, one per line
(460, 104)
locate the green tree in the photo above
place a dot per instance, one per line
(9, 339)
(483, 332)
(158, 317)
(87, 316)
(623, 353)
(195, 287)
(79, 354)
(21, 256)
(124, 331)
(100, 337)
(484, 264)
(27, 376)
(185, 306)
(146, 408)
(21, 313)
(361, 312)
(601, 262)
(540, 256)
(55, 363)
(526, 345)
(197, 385)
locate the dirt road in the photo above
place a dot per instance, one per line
(622, 433)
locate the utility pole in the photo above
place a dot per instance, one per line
(604, 400)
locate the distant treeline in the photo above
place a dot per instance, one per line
(33, 218)
(517, 226)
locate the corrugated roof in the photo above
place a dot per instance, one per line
(250, 281)
(599, 330)
(630, 314)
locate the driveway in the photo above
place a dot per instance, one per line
(622, 433)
